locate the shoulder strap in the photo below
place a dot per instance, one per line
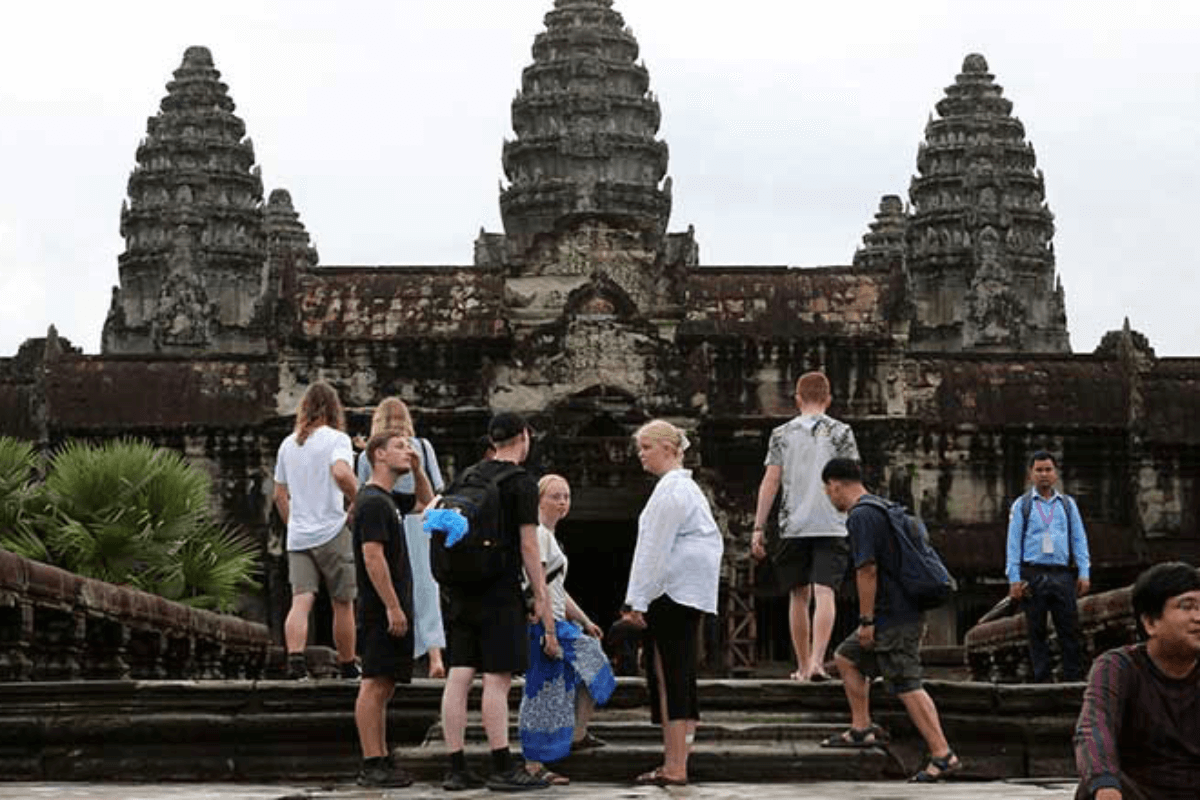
(1026, 508)
(1068, 507)
(876, 502)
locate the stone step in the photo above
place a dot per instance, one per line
(633, 726)
(723, 761)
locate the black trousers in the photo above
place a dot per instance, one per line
(1053, 593)
(673, 630)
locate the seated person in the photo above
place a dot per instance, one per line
(1138, 734)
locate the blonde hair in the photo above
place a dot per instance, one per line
(319, 406)
(659, 430)
(546, 480)
(391, 416)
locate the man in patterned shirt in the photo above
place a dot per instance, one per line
(1138, 734)
(813, 553)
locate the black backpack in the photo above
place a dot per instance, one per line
(923, 576)
(483, 553)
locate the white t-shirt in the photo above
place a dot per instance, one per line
(552, 558)
(316, 505)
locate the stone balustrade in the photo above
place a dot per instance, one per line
(998, 650)
(55, 625)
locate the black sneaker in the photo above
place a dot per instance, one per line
(383, 774)
(297, 668)
(459, 780)
(516, 779)
(349, 671)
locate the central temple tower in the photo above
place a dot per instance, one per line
(585, 124)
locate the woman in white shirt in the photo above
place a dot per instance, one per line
(561, 693)
(672, 582)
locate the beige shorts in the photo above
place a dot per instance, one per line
(333, 561)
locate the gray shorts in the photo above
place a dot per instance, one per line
(332, 561)
(896, 656)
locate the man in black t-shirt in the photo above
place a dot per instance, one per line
(888, 638)
(486, 628)
(385, 598)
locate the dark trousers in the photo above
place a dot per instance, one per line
(1052, 592)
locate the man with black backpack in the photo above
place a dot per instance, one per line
(1048, 566)
(479, 568)
(888, 639)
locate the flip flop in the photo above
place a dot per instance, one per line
(655, 777)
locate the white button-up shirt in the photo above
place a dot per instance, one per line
(679, 547)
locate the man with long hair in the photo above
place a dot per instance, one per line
(314, 481)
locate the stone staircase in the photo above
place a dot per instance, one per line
(751, 731)
(729, 746)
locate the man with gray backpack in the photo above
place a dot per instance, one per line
(897, 575)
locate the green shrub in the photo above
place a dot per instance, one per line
(19, 500)
(130, 513)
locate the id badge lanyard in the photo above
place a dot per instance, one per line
(1047, 519)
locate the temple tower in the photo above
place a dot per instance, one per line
(980, 258)
(883, 245)
(585, 124)
(193, 276)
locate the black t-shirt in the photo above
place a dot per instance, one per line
(378, 517)
(872, 540)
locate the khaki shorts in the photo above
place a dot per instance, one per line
(333, 561)
(896, 656)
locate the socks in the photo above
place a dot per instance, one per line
(501, 761)
(458, 761)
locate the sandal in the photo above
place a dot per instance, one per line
(945, 765)
(589, 742)
(656, 777)
(869, 736)
(552, 778)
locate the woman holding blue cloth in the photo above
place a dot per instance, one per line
(561, 693)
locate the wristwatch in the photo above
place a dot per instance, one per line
(866, 622)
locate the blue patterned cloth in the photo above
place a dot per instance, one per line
(547, 720)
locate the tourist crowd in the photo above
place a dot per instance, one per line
(470, 578)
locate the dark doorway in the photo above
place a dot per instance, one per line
(600, 552)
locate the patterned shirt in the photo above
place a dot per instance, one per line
(1141, 725)
(801, 448)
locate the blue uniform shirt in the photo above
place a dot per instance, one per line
(1055, 509)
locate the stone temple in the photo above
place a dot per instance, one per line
(945, 339)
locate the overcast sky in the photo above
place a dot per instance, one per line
(786, 120)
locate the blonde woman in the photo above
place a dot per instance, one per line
(561, 693)
(672, 582)
(429, 635)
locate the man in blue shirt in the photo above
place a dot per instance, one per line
(1048, 566)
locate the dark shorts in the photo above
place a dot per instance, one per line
(800, 561)
(896, 656)
(384, 655)
(486, 631)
